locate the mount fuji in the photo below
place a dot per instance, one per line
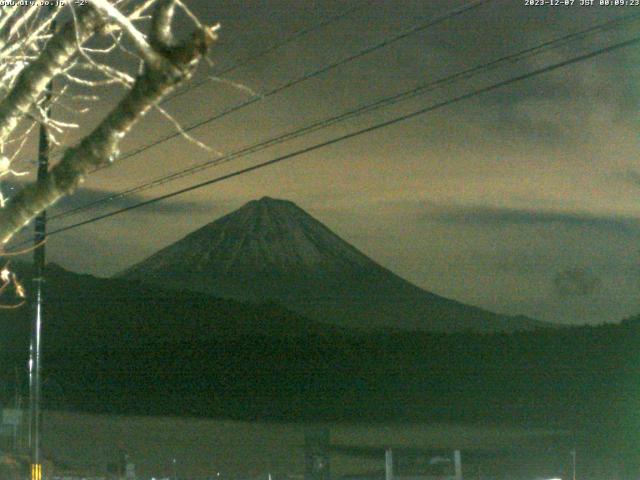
(272, 250)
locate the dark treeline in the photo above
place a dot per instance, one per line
(117, 347)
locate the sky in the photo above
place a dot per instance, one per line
(522, 200)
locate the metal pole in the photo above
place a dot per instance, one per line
(35, 363)
(457, 462)
(573, 454)
(388, 464)
(35, 353)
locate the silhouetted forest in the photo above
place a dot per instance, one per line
(117, 347)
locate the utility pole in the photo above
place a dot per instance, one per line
(573, 454)
(388, 464)
(457, 463)
(35, 353)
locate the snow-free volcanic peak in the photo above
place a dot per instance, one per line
(271, 249)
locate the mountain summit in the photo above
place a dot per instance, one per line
(271, 249)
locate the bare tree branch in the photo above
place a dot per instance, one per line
(161, 35)
(169, 67)
(109, 11)
(33, 80)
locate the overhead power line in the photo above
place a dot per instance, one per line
(357, 133)
(309, 75)
(252, 58)
(285, 41)
(361, 110)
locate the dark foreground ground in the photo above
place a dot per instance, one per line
(86, 443)
(113, 349)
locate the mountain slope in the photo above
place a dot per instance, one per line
(272, 249)
(83, 309)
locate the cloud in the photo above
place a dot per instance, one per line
(631, 177)
(502, 216)
(87, 196)
(575, 282)
(93, 200)
(569, 106)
